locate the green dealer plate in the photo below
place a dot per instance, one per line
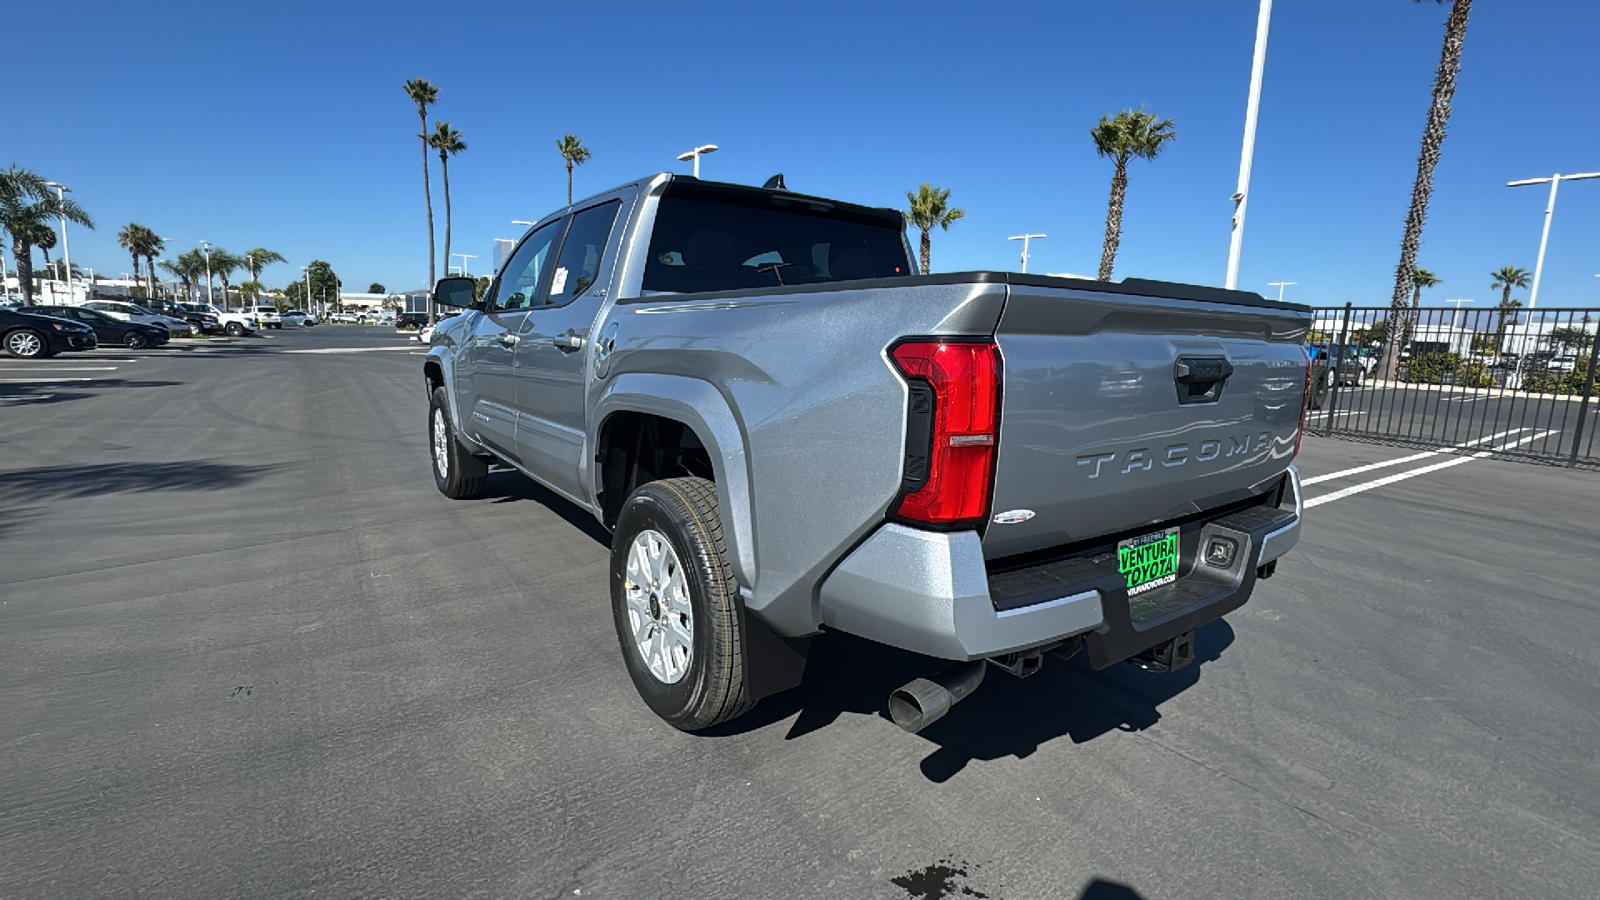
(1149, 561)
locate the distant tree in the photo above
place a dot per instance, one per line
(929, 207)
(1132, 133)
(258, 259)
(1420, 279)
(448, 142)
(1507, 277)
(179, 273)
(1371, 335)
(150, 246)
(44, 237)
(479, 287)
(1444, 89)
(376, 288)
(1507, 310)
(223, 265)
(574, 153)
(424, 95)
(128, 238)
(1568, 339)
(26, 203)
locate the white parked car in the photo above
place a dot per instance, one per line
(297, 318)
(343, 318)
(130, 312)
(267, 316)
(234, 323)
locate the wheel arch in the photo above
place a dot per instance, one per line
(634, 404)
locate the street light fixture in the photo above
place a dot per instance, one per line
(464, 258)
(1549, 210)
(1280, 285)
(695, 155)
(521, 222)
(66, 247)
(1024, 238)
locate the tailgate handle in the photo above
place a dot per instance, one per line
(1200, 379)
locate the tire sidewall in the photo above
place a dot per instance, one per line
(43, 345)
(646, 510)
(437, 407)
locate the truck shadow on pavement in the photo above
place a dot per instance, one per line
(66, 482)
(1006, 716)
(507, 485)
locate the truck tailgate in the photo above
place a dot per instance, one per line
(1123, 411)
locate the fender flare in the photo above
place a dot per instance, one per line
(703, 408)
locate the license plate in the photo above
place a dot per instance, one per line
(1149, 561)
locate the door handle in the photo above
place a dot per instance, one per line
(507, 340)
(568, 342)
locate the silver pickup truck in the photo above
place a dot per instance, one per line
(786, 429)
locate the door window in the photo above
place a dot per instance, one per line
(524, 275)
(579, 261)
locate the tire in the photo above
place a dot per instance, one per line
(25, 343)
(696, 681)
(133, 340)
(458, 474)
(234, 329)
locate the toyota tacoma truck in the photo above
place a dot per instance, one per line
(786, 429)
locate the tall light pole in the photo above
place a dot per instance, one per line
(1455, 320)
(695, 155)
(66, 247)
(1549, 210)
(1024, 238)
(464, 258)
(1247, 155)
(1280, 285)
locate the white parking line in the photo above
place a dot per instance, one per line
(1402, 476)
(37, 380)
(1342, 412)
(63, 369)
(348, 350)
(1405, 459)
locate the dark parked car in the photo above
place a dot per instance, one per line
(30, 336)
(409, 320)
(200, 321)
(107, 329)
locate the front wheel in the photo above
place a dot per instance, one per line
(25, 343)
(135, 341)
(458, 474)
(235, 329)
(675, 605)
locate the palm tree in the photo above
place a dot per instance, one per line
(150, 246)
(1507, 310)
(448, 142)
(128, 238)
(181, 272)
(259, 259)
(1133, 133)
(1444, 89)
(576, 154)
(1506, 278)
(223, 265)
(43, 237)
(22, 219)
(1419, 279)
(930, 206)
(423, 95)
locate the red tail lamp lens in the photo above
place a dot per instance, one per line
(965, 378)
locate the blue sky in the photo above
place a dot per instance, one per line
(285, 125)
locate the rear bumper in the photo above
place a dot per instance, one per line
(931, 593)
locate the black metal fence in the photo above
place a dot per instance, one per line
(1510, 383)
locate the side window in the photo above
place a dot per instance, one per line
(524, 274)
(579, 262)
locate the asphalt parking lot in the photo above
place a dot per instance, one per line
(246, 649)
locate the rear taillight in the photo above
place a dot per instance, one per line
(952, 428)
(1305, 404)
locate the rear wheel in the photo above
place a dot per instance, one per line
(135, 341)
(25, 343)
(458, 474)
(675, 604)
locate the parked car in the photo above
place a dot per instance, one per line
(374, 316)
(268, 316)
(132, 312)
(1563, 364)
(408, 321)
(1341, 360)
(234, 323)
(296, 318)
(32, 336)
(108, 330)
(785, 429)
(175, 310)
(343, 318)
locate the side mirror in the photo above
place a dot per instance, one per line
(455, 290)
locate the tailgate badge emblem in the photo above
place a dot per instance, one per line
(1013, 516)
